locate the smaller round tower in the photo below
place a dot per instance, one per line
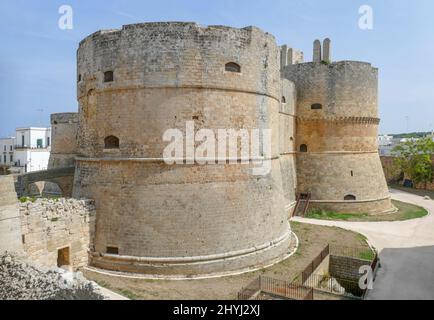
(337, 127)
(64, 140)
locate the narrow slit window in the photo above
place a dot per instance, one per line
(283, 99)
(233, 67)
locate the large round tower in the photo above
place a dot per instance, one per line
(337, 124)
(182, 219)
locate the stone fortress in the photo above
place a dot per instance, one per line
(189, 219)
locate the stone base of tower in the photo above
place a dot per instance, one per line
(200, 266)
(183, 220)
(344, 182)
(370, 207)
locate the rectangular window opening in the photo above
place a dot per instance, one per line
(112, 250)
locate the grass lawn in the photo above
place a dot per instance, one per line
(406, 211)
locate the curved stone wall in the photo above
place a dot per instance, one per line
(179, 219)
(344, 89)
(337, 127)
(287, 142)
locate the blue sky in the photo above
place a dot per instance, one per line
(38, 64)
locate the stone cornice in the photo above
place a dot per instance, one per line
(360, 120)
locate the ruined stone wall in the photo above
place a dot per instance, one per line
(10, 227)
(21, 279)
(180, 219)
(336, 136)
(395, 175)
(392, 174)
(48, 225)
(64, 140)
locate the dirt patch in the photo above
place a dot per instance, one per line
(312, 240)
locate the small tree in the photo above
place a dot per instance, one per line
(414, 158)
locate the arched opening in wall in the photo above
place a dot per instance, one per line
(316, 106)
(283, 99)
(51, 189)
(44, 189)
(350, 197)
(34, 189)
(111, 142)
(108, 76)
(233, 67)
(303, 148)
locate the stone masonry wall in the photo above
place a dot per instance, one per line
(50, 225)
(346, 267)
(64, 140)
(287, 142)
(10, 226)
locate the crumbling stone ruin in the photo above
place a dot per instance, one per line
(188, 219)
(53, 230)
(23, 280)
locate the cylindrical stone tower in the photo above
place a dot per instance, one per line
(337, 125)
(182, 219)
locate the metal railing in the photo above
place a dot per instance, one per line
(265, 288)
(20, 146)
(302, 203)
(374, 266)
(311, 267)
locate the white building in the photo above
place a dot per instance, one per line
(7, 152)
(385, 140)
(33, 138)
(32, 149)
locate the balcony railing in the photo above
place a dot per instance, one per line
(17, 147)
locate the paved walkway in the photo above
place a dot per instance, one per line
(406, 251)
